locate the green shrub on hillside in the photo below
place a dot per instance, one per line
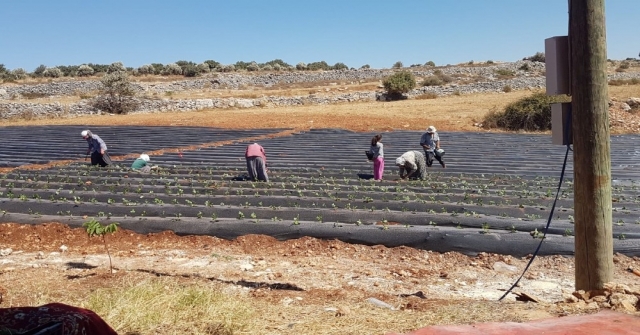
(340, 66)
(171, 69)
(437, 79)
(85, 70)
(190, 70)
(253, 66)
(432, 81)
(538, 57)
(18, 73)
(38, 72)
(116, 95)
(322, 65)
(623, 66)
(116, 67)
(52, 72)
(146, 69)
(505, 73)
(212, 64)
(279, 62)
(399, 83)
(530, 114)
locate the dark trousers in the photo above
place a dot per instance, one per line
(257, 169)
(98, 159)
(430, 155)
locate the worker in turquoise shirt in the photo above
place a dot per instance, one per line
(142, 164)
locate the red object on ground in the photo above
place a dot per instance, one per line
(180, 154)
(53, 318)
(602, 323)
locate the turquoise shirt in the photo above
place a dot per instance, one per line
(138, 164)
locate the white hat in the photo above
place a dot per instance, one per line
(431, 129)
(144, 157)
(84, 133)
(400, 161)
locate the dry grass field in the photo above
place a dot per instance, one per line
(447, 113)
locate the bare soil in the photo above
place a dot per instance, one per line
(299, 283)
(52, 262)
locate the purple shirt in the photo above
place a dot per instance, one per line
(96, 143)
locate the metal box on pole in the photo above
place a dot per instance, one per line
(558, 75)
(561, 132)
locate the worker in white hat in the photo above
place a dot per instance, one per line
(412, 165)
(97, 149)
(430, 142)
(142, 164)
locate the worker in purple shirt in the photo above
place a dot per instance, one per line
(97, 149)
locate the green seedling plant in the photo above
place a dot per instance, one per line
(95, 228)
(537, 234)
(385, 224)
(485, 228)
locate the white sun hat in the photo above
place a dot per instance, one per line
(400, 161)
(145, 157)
(84, 133)
(431, 129)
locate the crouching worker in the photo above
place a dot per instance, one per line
(412, 165)
(256, 162)
(97, 149)
(142, 164)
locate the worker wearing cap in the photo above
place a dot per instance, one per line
(142, 164)
(97, 149)
(256, 162)
(430, 142)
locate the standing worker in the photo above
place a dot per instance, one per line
(256, 162)
(378, 157)
(97, 149)
(430, 142)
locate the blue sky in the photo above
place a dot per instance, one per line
(354, 32)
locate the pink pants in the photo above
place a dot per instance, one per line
(378, 168)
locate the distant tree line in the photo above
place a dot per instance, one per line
(182, 67)
(192, 69)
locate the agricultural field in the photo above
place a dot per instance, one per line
(319, 249)
(321, 186)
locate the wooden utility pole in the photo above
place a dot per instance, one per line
(591, 144)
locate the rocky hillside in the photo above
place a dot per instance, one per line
(72, 97)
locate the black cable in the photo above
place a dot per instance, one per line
(553, 207)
